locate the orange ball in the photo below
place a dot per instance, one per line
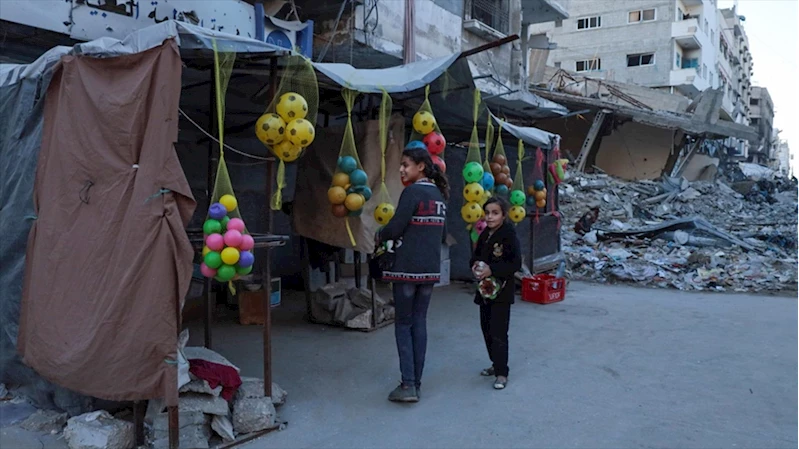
(500, 159)
(339, 210)
(496, 169)
(541, 203)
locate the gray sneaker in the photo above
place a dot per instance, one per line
(404, 394)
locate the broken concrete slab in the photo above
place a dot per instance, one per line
(191, 436)
(200, 386)
(253, 388)
(253, 414)
(98, 430)
(46, 421)
(223, 427)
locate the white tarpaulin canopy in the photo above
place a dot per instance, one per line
(529, 135)
(402, 78)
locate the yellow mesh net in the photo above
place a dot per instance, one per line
(473, 192)
(227, 253)
(384, 210)
(349, 190)
(426, 130)
(287, 127)
(517, 196)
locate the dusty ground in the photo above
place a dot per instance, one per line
(609, 367)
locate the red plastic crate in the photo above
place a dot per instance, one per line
(543, 289)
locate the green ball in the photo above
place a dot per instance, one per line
(224, 222)
(212, 226)
(213, 260)
(473, 172)
(226, 272)
(517, 198)
(242, 271)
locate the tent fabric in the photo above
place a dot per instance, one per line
(398, 79)
(529, 135)
(311, 215)
(108, 259)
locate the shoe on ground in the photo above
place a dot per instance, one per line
(488, 372)
(500, 383)
(404, 394)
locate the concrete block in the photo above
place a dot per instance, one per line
(200, 386)
(47, 421)
(98, 430)
(253, 388)
(223, 427)
(253, 414)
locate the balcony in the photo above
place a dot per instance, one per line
(727, 108)
(687, 81)
(687, 34)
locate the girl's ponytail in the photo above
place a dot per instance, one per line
(439, 178)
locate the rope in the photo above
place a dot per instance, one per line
(228, 147)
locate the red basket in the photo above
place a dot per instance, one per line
(543, 289)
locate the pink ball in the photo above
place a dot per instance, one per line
(480, 226)
(207, 271)
(215, 242)
(232, 238)
(247, 242)
(235, 224)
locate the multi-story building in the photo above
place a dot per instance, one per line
(761, 116)
(781, 158)
(664, 44)
(735, 68)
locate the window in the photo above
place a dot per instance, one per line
(704, 71)
(557, 65)
(588, 65)
(754, 121)
(638, 60)
(679, 60)
(642, 15)
(589, 22)
(705, 28)
(690, 63)
(712, 37)
(754, 102)
(558, 23)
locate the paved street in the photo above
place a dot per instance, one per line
(609, 367)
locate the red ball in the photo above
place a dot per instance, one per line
(435, 143)
(440, 162)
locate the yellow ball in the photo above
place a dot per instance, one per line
(424, 122)
(485, 197)
(230, 255)
(292, 106)
(471, 212)
(383, 213)
(206, 250)
(270, 129)
(300, 132)
(287, 151)
(336, 195)
(354, 201)
(229, 201)
(473, 192)
(341, 179)
(517, 214)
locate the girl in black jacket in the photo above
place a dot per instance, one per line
(497, 255)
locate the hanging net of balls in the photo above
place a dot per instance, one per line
(384, 210)
(537, 191)
(474, 192)
(227, 253)
(349, 191)
(517, 197)
(500, 168)
(426, 133)
(287, 127)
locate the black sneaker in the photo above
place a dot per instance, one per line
(404, 394)
(419, 392)
(488, 372)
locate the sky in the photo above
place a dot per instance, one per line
(773, 30)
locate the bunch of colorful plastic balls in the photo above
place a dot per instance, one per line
(538, 194)
(287, 133)
(350, 188)
(228, 247)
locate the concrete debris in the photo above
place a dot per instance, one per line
(253, 414)
(253, 388)
(98, 430)
(197, 385)
(223, 427)
(47, 421)
(703, 235)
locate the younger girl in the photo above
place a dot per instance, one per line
(497, 255)
(418, 229)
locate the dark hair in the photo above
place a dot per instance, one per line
(503, 204)
(431, 170)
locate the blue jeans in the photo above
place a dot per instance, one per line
(410, 329)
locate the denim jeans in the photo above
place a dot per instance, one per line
(410, 329)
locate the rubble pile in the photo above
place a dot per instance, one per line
(703, 235)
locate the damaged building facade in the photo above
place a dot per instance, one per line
(659, 59)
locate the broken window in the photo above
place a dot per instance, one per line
(639, 60)
(642, 15)
(589, 22)
(494, 13)
(588, 65)
(754, 102)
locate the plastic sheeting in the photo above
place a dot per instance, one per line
(529, 135)
(402, 78)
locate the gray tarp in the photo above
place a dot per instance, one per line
(529, 135)
(398, 79)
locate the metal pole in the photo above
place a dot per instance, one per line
(267, 269)
(208, 314)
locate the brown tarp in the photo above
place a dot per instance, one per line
(108, 259)
(311, 213)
